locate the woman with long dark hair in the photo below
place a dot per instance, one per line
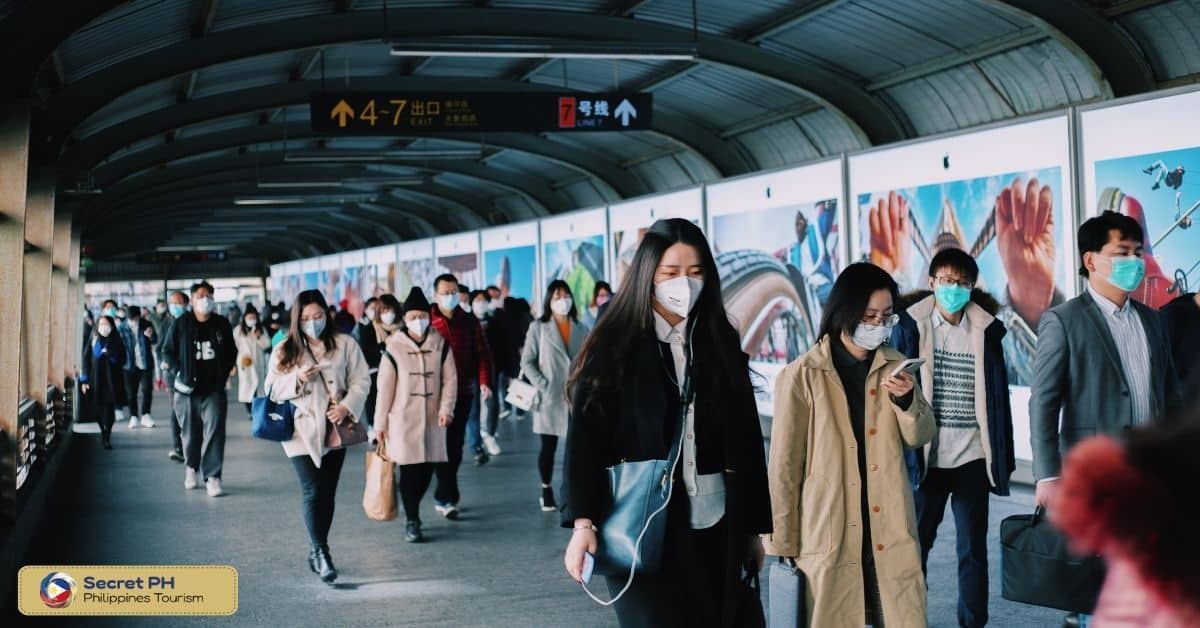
(323, 373)
(552, 342)
(103, 376)
(665, 351)
(252, 346)
(842, 500)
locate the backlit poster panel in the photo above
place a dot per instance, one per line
(1143, 159)
(293, 275)
(310, 270)
(777, 241)
(329, 276)
(573, 250)
(1004, 196)
(348, 291)
(628, 221)
(379, 275)
(414, 268)
(458, 255)
(510, 260)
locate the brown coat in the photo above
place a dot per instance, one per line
(410, 402)
(815, 496)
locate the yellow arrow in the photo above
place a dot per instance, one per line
(341, 111)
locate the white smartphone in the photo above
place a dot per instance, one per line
(589, 565)
(911, 365)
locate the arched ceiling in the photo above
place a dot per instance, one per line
(174, 109)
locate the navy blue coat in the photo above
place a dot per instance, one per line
(906, 339)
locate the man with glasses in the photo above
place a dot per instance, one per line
(965, 379)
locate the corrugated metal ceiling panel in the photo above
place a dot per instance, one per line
(152, 97)
(599, 75)
(618, 147)
(243, 74)
(721, 97)
(720, 17)
(581, 6)
(583, 194)
(778, 144)
(664, 174)
(463, 67)
(1041, 77)
(830, 132)
(123, 33)
(1170, 35)
(238, 13)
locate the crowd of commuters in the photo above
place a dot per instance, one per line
(899, 409)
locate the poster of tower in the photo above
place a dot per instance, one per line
(458, 255)
(1142, 159)
(510, 260)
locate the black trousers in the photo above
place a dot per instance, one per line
(319, 487)
(967, 488)
(135, 380)
(689, 589)
(456, 434)
(414, 483)
(106, 415)
(546, 457)
(176, 424)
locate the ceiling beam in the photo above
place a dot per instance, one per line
(1129, 6)
(867, 115)
(202, 27)
(625, 8)
(791, 18)
(1079, 26)
(941, 64)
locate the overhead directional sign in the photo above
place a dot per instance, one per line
(408, 113)
(180, 257)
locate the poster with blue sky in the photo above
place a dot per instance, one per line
(1162, 191)
(513, 271)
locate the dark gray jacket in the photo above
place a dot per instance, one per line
(1078, 371)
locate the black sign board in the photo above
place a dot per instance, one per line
(180, 257)
(402, 113)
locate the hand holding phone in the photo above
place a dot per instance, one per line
(589, 565)
(911, 365)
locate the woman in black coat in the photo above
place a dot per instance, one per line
(665, 335)
(103, 375)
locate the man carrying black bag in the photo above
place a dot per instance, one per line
(1102, 358)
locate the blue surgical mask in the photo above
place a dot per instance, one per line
(952, 298)
(448, 301)
(313, 328)
(1127, 272)
(177, 309)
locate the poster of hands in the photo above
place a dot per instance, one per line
(1010, 223)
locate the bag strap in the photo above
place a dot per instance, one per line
(388, 354)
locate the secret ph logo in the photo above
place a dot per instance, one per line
(58, 589)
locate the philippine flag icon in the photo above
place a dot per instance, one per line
(58, 589)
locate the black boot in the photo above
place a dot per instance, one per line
(324, 564)
(412, 532)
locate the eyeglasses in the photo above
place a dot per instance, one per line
(888, 320)
(943, 280)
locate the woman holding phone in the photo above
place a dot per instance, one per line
(843, 507)
(323, 373)
(663, 336)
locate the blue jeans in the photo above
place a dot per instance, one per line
(474, 440)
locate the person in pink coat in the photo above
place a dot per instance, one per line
(1130, 502)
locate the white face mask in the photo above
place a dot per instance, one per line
(479, 308)
(448, 301)
(493, 305)
(466, 307)
(104, 330)
(203, 305)
(562, 306)
(387, 318)
(417, 326)
(869, 337)
(370, 314)
(313, 328)
(160, 309)
(251, 323)
(679, 295)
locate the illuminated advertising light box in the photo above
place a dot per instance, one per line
(510, 260)
(379, 274)
(348, 291)
(458, 255)
(414, 268)
(1004, 196)
(777, 241)
(277, 280)
(329, 276)
(293, 277)
(310, 270)
(573, 250)
(628, 221)
(1142, 159)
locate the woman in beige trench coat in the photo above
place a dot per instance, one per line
(417, 387)
(323, 373)
(840, 497)
(252, 345)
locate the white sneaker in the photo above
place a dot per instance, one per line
(213, 486)
(133, 422)
(504, 414)
(147, 421)
(490, 444)
(189, 479)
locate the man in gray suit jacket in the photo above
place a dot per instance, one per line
(1102, 358)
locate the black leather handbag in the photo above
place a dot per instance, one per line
(1037, 567)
